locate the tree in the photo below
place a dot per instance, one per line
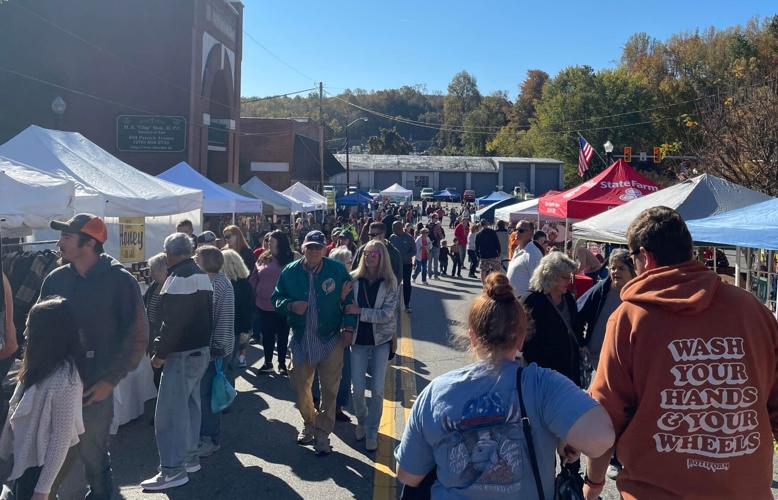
(463, 97)
(737, 137)
(482, 124)
(388, 142)
(530, 92)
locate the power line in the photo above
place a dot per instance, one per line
(255, 99)
(278, 58)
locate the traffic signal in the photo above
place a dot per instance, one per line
(628, 154)
(657, 154)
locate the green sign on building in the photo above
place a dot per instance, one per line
(146, 133)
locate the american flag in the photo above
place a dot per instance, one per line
(585, 153)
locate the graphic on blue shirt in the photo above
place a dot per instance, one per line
(485, 447)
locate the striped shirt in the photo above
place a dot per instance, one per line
(310, 349)
(223, 336)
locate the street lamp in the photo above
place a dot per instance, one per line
(348, 146)
(58, 107)
(608, 151)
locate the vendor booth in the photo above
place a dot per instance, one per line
(282, 204)
(397, 193)
(447, 195)
(141, 207)
(354, 199)
(753, 231)
(489, 212)
(702, 196)
(306, 196)
(494, 197)
(614, 186)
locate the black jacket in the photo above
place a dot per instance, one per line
(487, 244)
(549, 344)
(111, 318)
(590, 306)
(244, 305)
(187, 310)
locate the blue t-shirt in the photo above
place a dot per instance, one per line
(467, 422)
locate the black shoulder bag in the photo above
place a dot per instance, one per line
(568, 484)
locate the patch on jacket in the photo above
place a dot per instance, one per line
(328, 285)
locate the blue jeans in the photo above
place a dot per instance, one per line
(435, 261)
(93, 450)
(344, 389)
(421, 267)
(370, 416)
(178, 415)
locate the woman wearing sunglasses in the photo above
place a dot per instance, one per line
(376, 294)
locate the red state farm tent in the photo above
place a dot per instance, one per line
(614, 186)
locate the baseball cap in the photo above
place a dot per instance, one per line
(87, 224)
(206, 237)
(314, 238)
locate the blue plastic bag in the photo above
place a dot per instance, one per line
(222, 393)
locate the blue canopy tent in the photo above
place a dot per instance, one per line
(754, 226)
(354, 199)
(493, 198)
(446, 195)
(488, 211)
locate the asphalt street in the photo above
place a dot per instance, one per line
(259, 457)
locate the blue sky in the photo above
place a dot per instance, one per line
(385, 44)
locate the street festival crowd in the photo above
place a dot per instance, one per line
(660, 375)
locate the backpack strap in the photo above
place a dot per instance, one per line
(528, 436)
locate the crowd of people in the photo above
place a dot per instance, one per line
(651, 359)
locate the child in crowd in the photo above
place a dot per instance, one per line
(44, 418)
(443, 259)
(456, 265)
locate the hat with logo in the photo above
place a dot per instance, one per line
(87, 224)
(315, 238)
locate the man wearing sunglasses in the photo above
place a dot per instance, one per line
(525, 259)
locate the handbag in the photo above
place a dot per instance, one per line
(222, 393)
(568, 485)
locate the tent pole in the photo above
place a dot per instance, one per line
(737, 266)
(748, 269)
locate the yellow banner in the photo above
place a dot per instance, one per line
(131, 239)
(330, 199)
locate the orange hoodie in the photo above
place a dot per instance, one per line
(688, 375)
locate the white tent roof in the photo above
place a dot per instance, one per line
(282, 204)
(30, 198)
(517, 211)
(216, 199)
(396, 190)
(105, 185)
(306, 195)
(702, 196)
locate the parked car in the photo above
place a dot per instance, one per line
(426, 193)
(468, 195)
(374, 193)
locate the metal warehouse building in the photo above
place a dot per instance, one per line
(481, 174)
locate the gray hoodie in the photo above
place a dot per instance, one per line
(112, 321)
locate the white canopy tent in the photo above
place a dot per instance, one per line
(523, 210)
(282, 204)
(216, 199)
(30, 199)
(702, 196)
(106, 186)
(397, 192)
(306, 196)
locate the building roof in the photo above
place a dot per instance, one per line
(448, 163)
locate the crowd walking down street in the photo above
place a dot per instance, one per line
(297, 374)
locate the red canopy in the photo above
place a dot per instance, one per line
(614, 186)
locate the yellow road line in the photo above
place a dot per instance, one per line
(384, 480)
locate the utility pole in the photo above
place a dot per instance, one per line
(348, 146)
(321, 135)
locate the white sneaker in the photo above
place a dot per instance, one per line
(162, 481)
(371, 444)
(613, 472)
(359, 432)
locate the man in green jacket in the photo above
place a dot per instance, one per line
(313, 292)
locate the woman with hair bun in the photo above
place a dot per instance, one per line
(466, 425)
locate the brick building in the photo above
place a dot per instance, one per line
(152, 82)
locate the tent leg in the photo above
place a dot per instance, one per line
(748, 269)
(737, 266)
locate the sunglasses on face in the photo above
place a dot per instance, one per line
(373, 235)
(522, 231)
(372, 253)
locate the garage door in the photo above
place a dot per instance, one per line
(515, 174)
(483, 184)
(455, 180)
(546, 178)
(383, 180)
